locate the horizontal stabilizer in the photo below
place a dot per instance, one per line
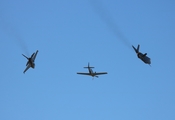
(88, 67)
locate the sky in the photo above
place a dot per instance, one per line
(71, 33)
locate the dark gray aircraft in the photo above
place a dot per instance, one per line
(142, 56)
(91, 73)
(31, 61)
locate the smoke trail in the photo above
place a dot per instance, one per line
(10, 31)
(104, 15)
(22, 44)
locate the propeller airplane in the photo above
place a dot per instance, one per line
(91, 73)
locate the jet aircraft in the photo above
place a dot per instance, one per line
(142, 56)
(91, 73)
(31, 61)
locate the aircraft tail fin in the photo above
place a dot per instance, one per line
(136, 50)
(88, 66)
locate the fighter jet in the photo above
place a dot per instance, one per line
(31, 61)
(142, 56)
(91, 73)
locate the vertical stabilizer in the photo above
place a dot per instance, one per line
(88, 66)
(138, 48)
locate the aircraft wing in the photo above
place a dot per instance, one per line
(101, 73)
(28, 66)
(35, 55)
(84, 73)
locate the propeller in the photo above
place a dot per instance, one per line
(94, 76)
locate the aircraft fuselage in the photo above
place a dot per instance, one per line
(144, 58)
(92, 73)
(31, 63)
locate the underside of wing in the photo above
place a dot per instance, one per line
(28, 66)
(83, 73)
(101, 73)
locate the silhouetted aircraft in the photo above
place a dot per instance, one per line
(91, 73)
(31, 61)
(142, 56)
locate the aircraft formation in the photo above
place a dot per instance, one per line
(141, 56)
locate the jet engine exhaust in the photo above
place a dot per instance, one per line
(104, 15)
(14, 34)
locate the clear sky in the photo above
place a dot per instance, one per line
(71, 33)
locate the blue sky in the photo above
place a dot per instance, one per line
(68, 35)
